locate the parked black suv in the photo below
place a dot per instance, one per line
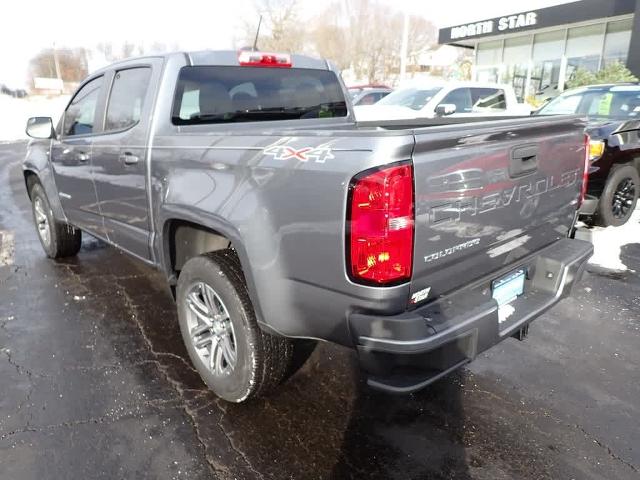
(614, 128)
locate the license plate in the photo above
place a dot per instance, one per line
(506, 289)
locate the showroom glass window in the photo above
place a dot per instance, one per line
(516, 58)
(488, 61)
(79, 117)
(616, 42)
(547, 53)
(126, 98)
(584, 46)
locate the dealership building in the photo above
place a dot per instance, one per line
(537, 51)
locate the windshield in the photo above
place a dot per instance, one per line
(609, 102)
(252, 94)
(414, 98)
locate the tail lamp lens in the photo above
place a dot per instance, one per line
(380, 226)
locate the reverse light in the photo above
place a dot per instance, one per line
(585, 172)
(596, 149)
(380, 223)
(248, 58)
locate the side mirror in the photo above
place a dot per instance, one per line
(40, 127)
(445, 109)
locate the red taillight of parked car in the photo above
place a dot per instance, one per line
(380, 222)
(585, 172)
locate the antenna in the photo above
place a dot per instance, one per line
(255, 42)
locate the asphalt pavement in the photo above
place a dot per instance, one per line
(95, 383)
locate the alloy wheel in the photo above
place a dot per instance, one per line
(42, 221)
(623, 198)
(210, 329)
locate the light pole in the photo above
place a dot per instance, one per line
(404, 46)
(56, 62)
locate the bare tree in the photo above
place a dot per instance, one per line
(365, 36)
(361, 35)
(114, 52)
(280, 30)
(330, 38)
(72, 64)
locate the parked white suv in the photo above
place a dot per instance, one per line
(434, 99)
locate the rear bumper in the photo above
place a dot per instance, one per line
(407, 352)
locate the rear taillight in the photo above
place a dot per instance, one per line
(585, 172)
(380, 222)
(248, 58)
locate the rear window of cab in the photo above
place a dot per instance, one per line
(215, 94)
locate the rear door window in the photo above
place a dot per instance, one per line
(79, 118)
(206, 94)
(126, 98)
(412, 98)
(461, 98)
(488, 98)
(369, 99)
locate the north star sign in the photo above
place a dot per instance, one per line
(509, 22)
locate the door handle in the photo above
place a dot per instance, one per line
(524, 160)
(83, 157)
(129, 158)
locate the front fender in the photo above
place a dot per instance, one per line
(37, 162)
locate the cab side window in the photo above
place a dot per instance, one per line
(79, 118)
(461, 98)
(127, 97)
(488, 98)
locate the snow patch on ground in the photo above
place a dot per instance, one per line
(608, 243)
(14, 113)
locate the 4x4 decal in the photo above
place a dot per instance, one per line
(304, 154)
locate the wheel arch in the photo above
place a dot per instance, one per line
(184, 237)
(30, 177)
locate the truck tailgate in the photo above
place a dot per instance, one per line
(489, 194)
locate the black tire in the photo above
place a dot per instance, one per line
(621, 178)
(302, 350)
(261, 360)
(63, 240)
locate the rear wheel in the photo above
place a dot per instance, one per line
(619, 197)
(234, 357)
(58, 239)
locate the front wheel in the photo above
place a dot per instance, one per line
(58, 239)
(619, 197)
(235, 358)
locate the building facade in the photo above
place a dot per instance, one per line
(537, 51)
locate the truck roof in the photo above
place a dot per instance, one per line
(224, 58)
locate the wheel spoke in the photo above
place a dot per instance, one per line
(198, 308)
(199, 330)
(212, 354)
(204, 341)
(209, 299)
(219, 358)
(228, 350)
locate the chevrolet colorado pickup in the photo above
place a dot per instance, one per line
(280, 221)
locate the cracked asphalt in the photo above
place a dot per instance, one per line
(95, 383)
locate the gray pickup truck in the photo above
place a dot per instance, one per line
(280, 221)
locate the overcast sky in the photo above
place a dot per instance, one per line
(30, 25)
